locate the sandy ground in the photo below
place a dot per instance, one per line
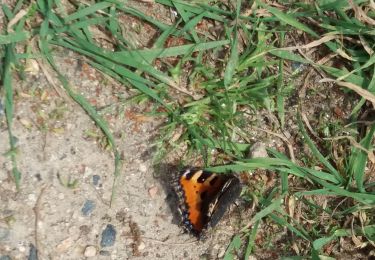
(63, 206)
(54, 151)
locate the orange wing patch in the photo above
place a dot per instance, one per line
(200, 190)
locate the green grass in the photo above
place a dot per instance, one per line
(235, 74)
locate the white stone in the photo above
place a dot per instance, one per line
(143, 168)
(221, 253)
(40, 224)
(141, 246)
(61, 196)
(90, 251)
(88, 172)
(22, 249)
(32, 197)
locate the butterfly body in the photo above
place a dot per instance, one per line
(204, 197)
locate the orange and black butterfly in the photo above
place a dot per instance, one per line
(204, 197)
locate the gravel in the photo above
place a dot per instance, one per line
(88, 207)
(108, 236)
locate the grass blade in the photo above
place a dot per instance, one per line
(358, 159)
(14, 37)
(9, 62)
(316, 152)
(87, 11)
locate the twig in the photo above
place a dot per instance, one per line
(307, 123)
(167, 242)
(48, 75)
(36, 210)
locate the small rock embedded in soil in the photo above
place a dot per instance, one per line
(141, 246)
(108, 236)
(85, 230)
(143, 168)
(61, 196)
(153, 191)
(104, 253)
(221, 253)
(33, 253)
(258, 150)
(22, 248)
(38, 177)
(64, 245)
(88, 207)
(90, 251)
(95, 180)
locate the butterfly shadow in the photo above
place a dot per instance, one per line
(167, 175)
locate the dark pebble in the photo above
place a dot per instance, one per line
(104, 253)
(108, 236)
(38, 177)
(95, 180)
(33, 255)
(5, 257)
(85, 229)
(88, 207)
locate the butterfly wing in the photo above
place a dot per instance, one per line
(201, 190)
(229, 193)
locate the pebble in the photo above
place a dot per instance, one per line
(258, 150)
(221, 253)
(104, 253)
(32, 197)
(141, 246)
(153, 191)
(4, 233)
(95, 179)
(90, 251)
(64, 245)
(108, 236)
(88, 207)
(88, 172)
(22, 249)
(297, 67)
(5, 257)
(85, 230)
(40, 224)
(33, 255)
(32, 67)
(61, 196)
(143, 168)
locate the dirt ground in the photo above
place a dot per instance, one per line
(47, 213)
(62, 208)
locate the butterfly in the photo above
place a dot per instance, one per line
(204, 197)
